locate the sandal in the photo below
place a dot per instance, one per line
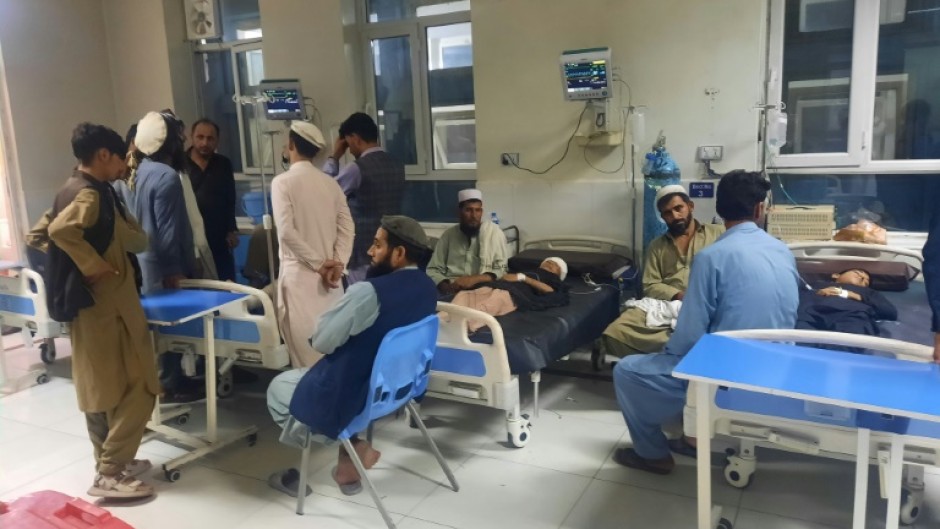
(288, 482)
(137, 467)
(349, 489)
(629, 458)
(119, 486)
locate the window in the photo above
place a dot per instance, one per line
(859, 82)
(420, 68)
(235, 66)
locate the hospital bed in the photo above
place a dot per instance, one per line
(789, 424)
(246, 333)
(23, 305)
(783, 423)
(483, 367)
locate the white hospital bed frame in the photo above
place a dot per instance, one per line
(268, 352)
(498, 387)
(825, 440)
(839, 442)
(36, 325)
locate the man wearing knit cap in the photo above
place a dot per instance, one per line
(315, 234)
(472, 252)
(665, 277)
(326, 397)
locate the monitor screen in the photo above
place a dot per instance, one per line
(586, 79)
(284, 100)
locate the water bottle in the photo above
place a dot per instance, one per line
(494, 218)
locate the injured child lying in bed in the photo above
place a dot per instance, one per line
(846, 304)
(538, 289)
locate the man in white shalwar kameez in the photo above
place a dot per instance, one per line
(315, 231)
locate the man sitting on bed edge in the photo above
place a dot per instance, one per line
(646, 325)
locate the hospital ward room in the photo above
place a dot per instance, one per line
(469, 264)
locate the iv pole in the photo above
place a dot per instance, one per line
(257, 103)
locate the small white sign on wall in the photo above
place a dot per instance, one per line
(201, 19)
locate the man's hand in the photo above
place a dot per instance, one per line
(446, 287)
(465, 282)
(679, 297)
(836, 292)
(173, 282)
(339, 148)
(936, 348)
(232, 239)
(331, 272)
(103, 271)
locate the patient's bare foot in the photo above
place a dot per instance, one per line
(368, 455)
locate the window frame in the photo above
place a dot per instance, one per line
(858, 159)
(416, 31)
(233, 48)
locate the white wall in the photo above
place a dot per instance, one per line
(139, 58)
(669, 51)
(57, 75)
(306, 40)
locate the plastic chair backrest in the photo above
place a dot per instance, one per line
(400, 372)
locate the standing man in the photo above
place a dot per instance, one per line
(665, 274)
(315, 234)
(472, 252)
(327, 396)
(746, 280)
(932, 279)
(213, 182)
(160, 206)
(92, 286)
(374, 184)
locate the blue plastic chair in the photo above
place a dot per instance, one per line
(399, 374)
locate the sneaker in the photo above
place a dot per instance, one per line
(137, 467)
(119, 486)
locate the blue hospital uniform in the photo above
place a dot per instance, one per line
(745, 280)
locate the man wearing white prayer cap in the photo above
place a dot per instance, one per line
(472, 252)
(315, 233)
(665, 277)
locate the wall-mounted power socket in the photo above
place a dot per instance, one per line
(509, 158)
(710, 153)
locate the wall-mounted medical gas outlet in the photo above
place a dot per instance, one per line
(509, 158)
(710, 153)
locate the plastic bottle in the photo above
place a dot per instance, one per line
(494, 218)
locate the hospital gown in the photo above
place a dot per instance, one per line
(746, 280)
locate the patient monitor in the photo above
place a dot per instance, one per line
(283, 100)
(586, 74)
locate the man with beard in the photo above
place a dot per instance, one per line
(665, 277)
(746, 280)
(315, 237)
(326, 397)
(470, 253)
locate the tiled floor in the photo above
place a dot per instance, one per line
(563, 479)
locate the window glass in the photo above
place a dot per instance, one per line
(450, 90)
(817, 67)
(897, 202)
(241, 19)
(217, 84)
(907, 90)
(394, 94)
(386, 10)
(433, 200)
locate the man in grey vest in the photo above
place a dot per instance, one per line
(374, 184)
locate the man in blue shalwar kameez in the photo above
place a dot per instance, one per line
(745, 280)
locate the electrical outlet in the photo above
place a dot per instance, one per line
(711, 153)
(509, 158)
